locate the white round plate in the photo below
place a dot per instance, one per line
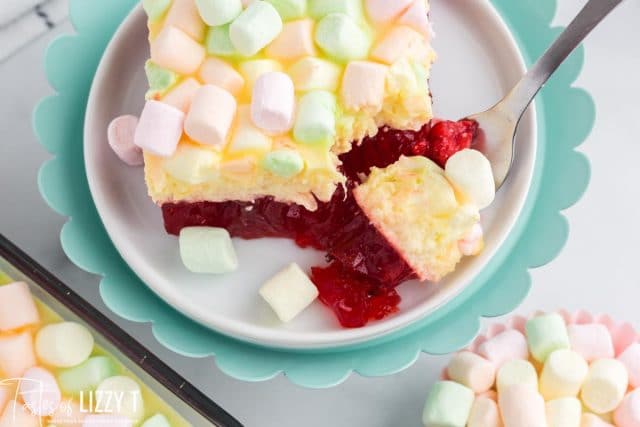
(478, 62)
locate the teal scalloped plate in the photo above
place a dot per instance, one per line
(565, 118)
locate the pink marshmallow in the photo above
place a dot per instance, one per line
(295, 41)
(386, 10)
(16, 355)
(522, 406)
(217, 72)
(17, 308)
(506, 346)
(363, 86)
(40, 392)
(591, 341)
(16, 415)
(630, 358)
(182, 95)
(273, 103)
(211, 116)
(184, 15)
(107, 421)
(623, 336)
(175, 50)
(628, 413)
(120, 135)
(159, 129)
(416, 17)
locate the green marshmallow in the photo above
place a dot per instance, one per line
(219, 43)
(284, 163)
(340, 37)
(219, 12)
(5, 279)
(316, 118)
(157, 420)
(155, 9)
(546, 334)
(87, 376)
(318, 9)
(448, 405)
(255, 28)
(290, 9)
(207, 250)
(160, 79)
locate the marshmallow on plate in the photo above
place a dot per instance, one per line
(255, 28)
(505, 346)
(605, 385)
(592, 341)
(284, 162)
(181, 96)
(472, 371)
(401, 42)
(564, 412)
(64, 344)
(217, 72)
(211, 116)
(155, 9)
(87, 376)
(417, 18)
(157, 420)
(219, 12)
(290, 9)
(315, 74)
(175, 50)
(448, 404)
(546, 334)
(470, 172)
(563, 374)
(630, 358)
(628, 413)
(516, 371)
(289, 292)
(121, 134)
(39, 391)
(316, 118)
(207, 250)
(185, 16)
(484, 413)
(363, 86)
(340, 37)
(273, 103)
(295, 41)
(159, 128)
(17, 307)
(16, 355)
(382, 11)
(522, 406)
(130, 405)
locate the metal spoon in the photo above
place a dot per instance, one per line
(499, 124)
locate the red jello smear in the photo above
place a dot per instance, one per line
(359, 283)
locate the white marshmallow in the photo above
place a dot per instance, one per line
(381, 11)
(295, 41)
(273, 103)
(401, 42)
(211, 115)
(175, 50)
(628, 413)
(592, 341)
(182, 95)
(107, 421)
(185, 16)
(121, 134)
(505, 346)
(605, 385)
(131, 405)
(416, 17)
(192, 164)
(516, 372)
(564, 412)
(484, 413)
(363, 86)
(217, 72)
(64, 344)
(591, 420)
(255, 28)
(16, 415)
(219, 12)
(16, 355)
(315, 74)
(17, 307)
(472, 371)
(207, 250)
(522, 406)
(289, 292)
(246, 136)
(630, 358)
(252, 70)
(563, 374)
(159, 128)
(316, 119)
(40, 392)
(470, 172)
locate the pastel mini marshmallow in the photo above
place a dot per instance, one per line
(605, 385)
(273, 103)
(16, 415)
(17, 307)
(181, 96)
(473, 243)
(363, 86)
(254, 69)
(194, 164)
(340, 37)
(120, 135)
(256, 27)
(290, 9)
(106, 420)
(592, 420)
(184, 15)
(505, 346)
(448, 404)
(246, 136)
(522, 406)
(472, 371)
(516, 371)
(219, 12)
(130, 405)
(630, 358)
(86, 376)
(217, 72)
(64, 344)
(316, 118)
(401, 42)
(175, 50)
(591, 341)
(295, 41)
(157, 420)
(16, 354)
(546, 334)
(564, 412)
(318, 9)
(289, 292)
(159, 128)
(39, 391)
(383, 11)
(315, 74)
(628, 413)
(218, 42)
(284, 162)
(159, 78)
(155, 9)
(417, 18)
(471, 173)
(207, 250)
(484, 413)
(563, 374)
(211, 115)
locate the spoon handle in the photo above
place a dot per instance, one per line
(521, 96)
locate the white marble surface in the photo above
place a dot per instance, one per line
(596, 271)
